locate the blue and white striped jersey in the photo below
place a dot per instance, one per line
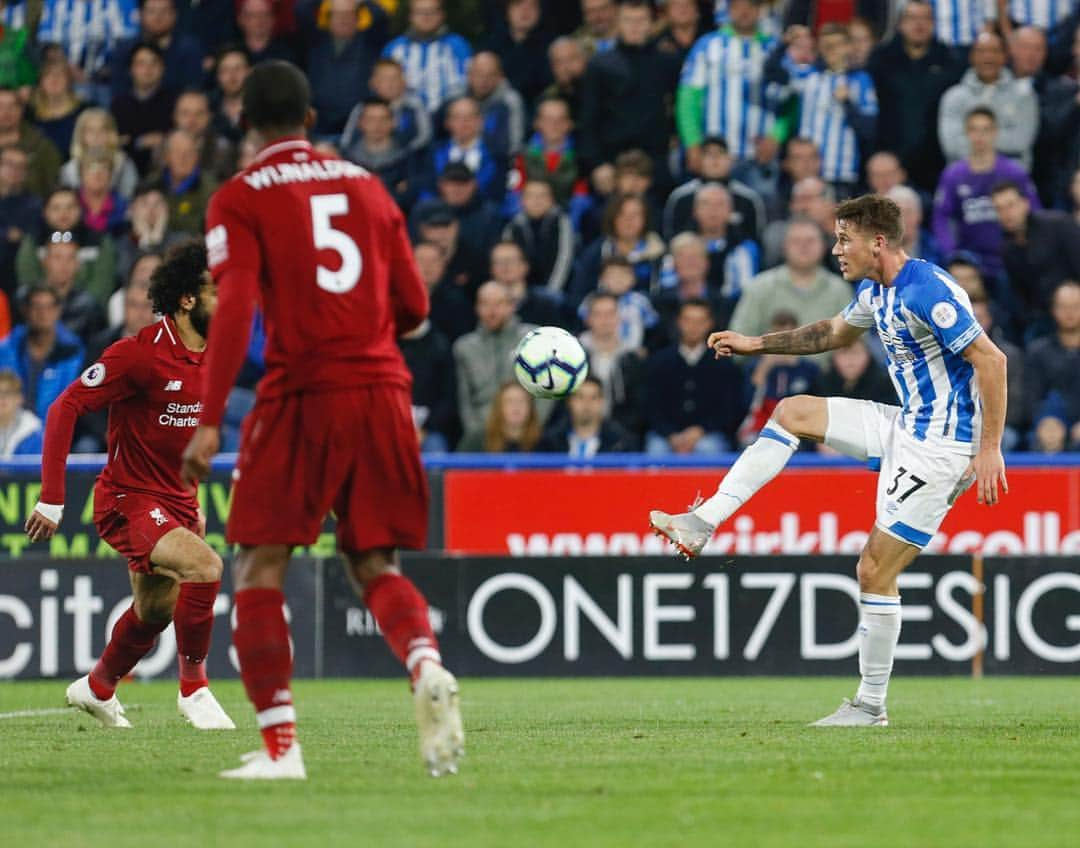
(925, 321)
(88, 30)
(13, 15)
(1045, 14)
(739, 104)
(825, 120)
(435, 69)
(957, 22)
(741, 264)
(730, 266)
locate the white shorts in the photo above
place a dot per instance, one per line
(917, 481)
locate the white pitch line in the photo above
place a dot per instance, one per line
(32, 713)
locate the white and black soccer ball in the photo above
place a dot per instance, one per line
(550, 363)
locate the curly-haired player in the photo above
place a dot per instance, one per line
(152, 384)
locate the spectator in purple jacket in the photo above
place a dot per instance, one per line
(964, 215)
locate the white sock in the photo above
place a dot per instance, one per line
(755, 467)
(879, 631)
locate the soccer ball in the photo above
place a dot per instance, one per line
(550, 363)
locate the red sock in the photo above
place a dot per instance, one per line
(402, 614)
(261, 637)
(194, 621)
(131, 640)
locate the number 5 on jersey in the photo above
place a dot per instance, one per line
(323, 208)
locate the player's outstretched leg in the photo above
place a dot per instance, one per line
(880, 563)
(261, 639)
(402, 615)
(132, 638)
(196, 568)
(799, 417)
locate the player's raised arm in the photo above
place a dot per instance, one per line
(988, 464)
(112, 378)
(813, 338)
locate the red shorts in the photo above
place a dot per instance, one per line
(133, 522)
(353, 451)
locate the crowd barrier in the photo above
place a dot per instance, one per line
(592, 616)
(543, 566)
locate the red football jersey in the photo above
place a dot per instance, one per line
(337, 279)
(152, 385)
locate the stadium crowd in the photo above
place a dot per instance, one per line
(636, 173)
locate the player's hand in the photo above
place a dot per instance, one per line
(201, 524)
(39, 528)
(727, 343)
(988, 466)
(841, 93)
(200, 451)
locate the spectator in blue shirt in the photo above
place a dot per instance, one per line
(838, 111)
(467, 146)
(20, 430)
(435, 60)
(90, 33)
(43, 353)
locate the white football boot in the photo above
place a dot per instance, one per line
(257, 765)
(688, 533)
(438, 717)
(203, 711)
(110, 713)
(855, 714)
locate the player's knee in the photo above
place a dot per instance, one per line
(209, 567)
(869, 572)
(795, 413)
(365, 567)
(260, 567)
(155, 609)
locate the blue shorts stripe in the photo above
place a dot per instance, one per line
(910, 534)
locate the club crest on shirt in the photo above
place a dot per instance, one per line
(93, 376)
(944, 314)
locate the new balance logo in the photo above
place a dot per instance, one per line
(158, 516)
(174, 385)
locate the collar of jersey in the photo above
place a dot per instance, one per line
(281, 146)
(901, 279)
(178, 348)
(758, 36)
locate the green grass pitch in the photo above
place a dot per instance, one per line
(649, 762)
